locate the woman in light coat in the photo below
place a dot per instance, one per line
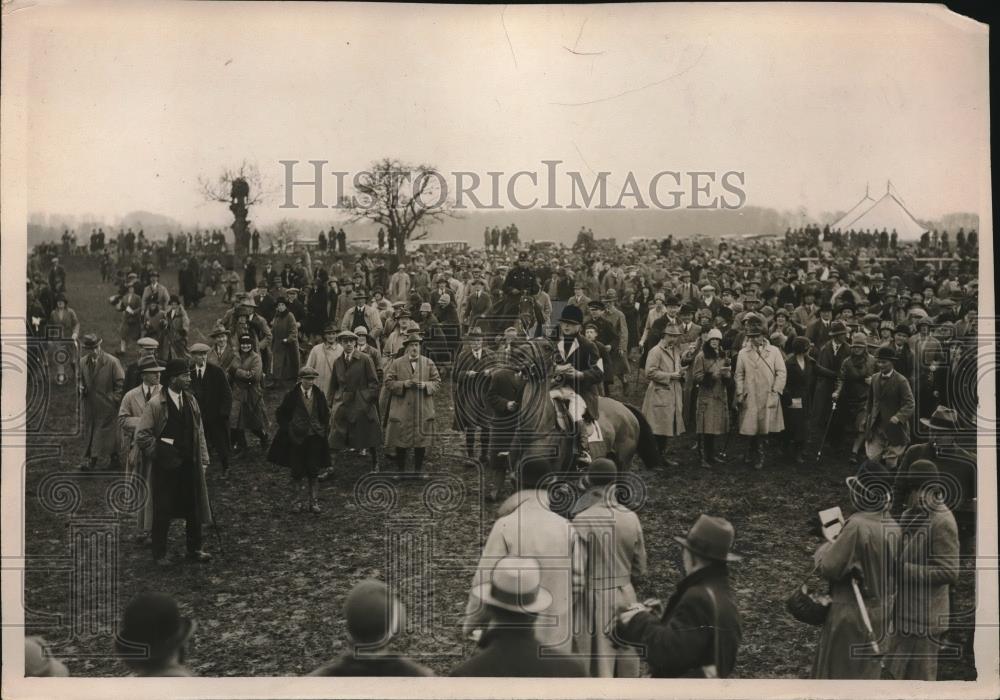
(711, 374)
(663, 404)
(246, 375)
(285, 344)
(760, 379)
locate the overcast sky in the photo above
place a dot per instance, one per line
(129, 105)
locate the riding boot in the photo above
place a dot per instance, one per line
(583, 457)
(707, 452)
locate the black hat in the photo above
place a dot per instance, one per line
(686, 309)
(173, 368)
(838, 328)
(596, 304)
(825, 306)
(885, 352)
(571, 314)
(174, 299)
(152, 628)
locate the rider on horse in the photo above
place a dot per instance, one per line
(578, 373)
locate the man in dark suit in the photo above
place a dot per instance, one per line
(170, 433)
(818, 330)
(477, 303)
(578, 375)
(831, 357)
(889, 411)
(301, 442)
(472, 379)
(698, 634)
(508, 647)
(211, 387)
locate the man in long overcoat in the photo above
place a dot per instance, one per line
(101, 382)
(663, 404)
(616, 554)
(760, 379)
(210, 386)
(137, 466)
(354, 422)
(472, 377)
(170, 435)
(411, 380)
(300, 443)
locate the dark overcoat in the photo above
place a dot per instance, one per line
(280, 451)
(471, 411)
(354, 389)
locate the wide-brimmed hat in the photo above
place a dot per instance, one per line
(413, 338)
(307, 371)
(515, 584)
(859, 340)
(219, 330)
(872, 484)
(711, 538)
(152, 628)
(571, 314)
(943, 418)
(249, 302)
(90, 341)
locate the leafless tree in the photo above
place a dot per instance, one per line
(399, 197)
(240, 188)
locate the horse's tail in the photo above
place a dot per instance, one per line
(646, 446)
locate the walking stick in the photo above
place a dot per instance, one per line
(829, 421)
(864, 615)
(215, 525)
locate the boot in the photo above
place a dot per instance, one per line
(707, 457)
(583, 457)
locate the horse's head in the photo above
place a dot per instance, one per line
(534, 358)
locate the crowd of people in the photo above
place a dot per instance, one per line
(796, 348)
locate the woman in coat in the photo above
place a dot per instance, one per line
(711, 374)
(285, 343)
(65, 319)
(354, 422)
(411, 382)
(663, 404)
(175, 339)
(760, 380)
(130, 329)
(245, 377)
(865, 551)
(795, 399)
(851, 390)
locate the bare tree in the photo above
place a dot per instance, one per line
(399, 197)
(240, 188)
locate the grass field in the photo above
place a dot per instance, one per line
(269, 603)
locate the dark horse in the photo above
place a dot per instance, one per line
(626, 432)
(520, 311)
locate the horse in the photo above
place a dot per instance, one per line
(522, 312)
(626, 432)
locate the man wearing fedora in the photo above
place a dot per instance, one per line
(221, 353)
(698, 633)
(374, 616)
(361, 314)
(928, 567)
(210, 387)
(137, 466)
(148, 347)
(513, 598)
(616, 556)
(663, 404)
(473, 367)
(170, 434)
(354, 390)
(888, 411)
(301, 441)
(760, 376)
(411, 381)
(101, 381)
(952, 459)
(152, 637)
(527, 527)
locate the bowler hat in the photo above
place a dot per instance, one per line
(152, 628)
(885, 352)
(800, 344)
(943, 418)
(174, 368)
(825, 306)
(515, 584)
(710, 537)
(902, 328)
(571, 314)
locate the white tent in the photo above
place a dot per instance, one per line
(887, 213)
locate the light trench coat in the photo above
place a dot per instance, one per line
(760, 379)
(411, 409)
(137, 465)
(663, 405)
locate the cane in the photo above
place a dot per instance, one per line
(864, 616)
(829, 422)
(215, 525)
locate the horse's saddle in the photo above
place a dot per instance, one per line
(565, 423)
